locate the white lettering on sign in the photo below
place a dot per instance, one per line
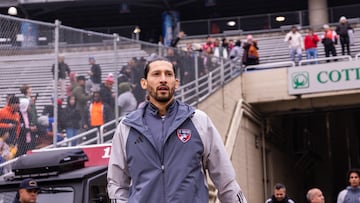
(107, 151)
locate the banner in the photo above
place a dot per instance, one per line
(170, 21)
(324, 77)
(29, 34)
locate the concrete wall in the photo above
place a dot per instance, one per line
(247, 160)
(247, 156)
(220, 105)
(267, 90)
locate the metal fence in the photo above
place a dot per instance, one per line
(29, 53)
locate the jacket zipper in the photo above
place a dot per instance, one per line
(162, 158)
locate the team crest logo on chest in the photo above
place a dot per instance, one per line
(184, 135)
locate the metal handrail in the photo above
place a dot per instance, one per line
(357, 56)
(307, 61)
(271, 65)
(67, 142)
(105, 132)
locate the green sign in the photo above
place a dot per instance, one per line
(300, 80)
(324, 77)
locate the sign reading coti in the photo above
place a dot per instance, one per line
(324, 77)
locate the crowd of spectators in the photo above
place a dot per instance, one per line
(329, 38)
(84, 103)
(210, 54)
(245, 51)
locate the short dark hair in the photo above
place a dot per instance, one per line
(279, 186)
(353, 170)
(14, 100)
(156, 58)
(80, 77)
(24, 88)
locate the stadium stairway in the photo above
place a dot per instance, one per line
(35, 70)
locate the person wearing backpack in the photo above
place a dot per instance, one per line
(251, 54)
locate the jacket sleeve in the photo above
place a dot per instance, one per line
(118, 175)
(315, 38)
(97, 71)
(68, 70)
(217, 161)
(287, 36)
(341, 196)
(80, 96)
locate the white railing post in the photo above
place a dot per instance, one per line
(56, 78)
(196, 69)
(116, 38)
(222, 72)
(210, 85)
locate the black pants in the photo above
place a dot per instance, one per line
(345, 42)
(330, 49)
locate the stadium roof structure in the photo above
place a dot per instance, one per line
(145, 13)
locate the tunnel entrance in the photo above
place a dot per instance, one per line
(324, 145)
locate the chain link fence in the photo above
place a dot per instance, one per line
(30, 52)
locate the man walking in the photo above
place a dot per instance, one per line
(160, 151)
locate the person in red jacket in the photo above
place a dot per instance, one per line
(310, 42)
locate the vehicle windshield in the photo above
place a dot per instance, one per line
(46, 195)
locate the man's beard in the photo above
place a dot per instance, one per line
(160, 97)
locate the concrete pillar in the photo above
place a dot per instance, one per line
(318, 13)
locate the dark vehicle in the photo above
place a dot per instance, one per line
(71, 175)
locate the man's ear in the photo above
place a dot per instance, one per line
(177, 83)
(143, 83)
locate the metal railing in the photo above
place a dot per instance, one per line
(357, 56)
(262, 23)
(312, 61)
(270, 65)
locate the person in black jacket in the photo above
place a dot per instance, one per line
(279, 195)
(95, 76)
(71, 118)
(342, 29)
(107, 96)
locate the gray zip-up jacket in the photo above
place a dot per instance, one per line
(349, 195)
(142, 171)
